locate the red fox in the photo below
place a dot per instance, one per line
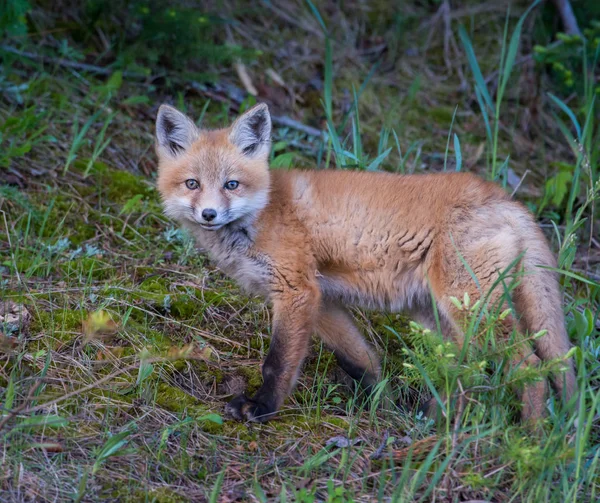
(313, 243)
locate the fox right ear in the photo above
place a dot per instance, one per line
(251, 132)
(175, 132)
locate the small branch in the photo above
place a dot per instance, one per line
(218, 91)
(379, 452)
(69, 64)
(567, 17)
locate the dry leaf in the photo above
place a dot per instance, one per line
(244, 76)
(341, 441)
(98, 325)
(110, 353)
(13, 317)
(179, 353)
(275, 77)
(48, 446)
(7, 343)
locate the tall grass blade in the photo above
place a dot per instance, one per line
(214, 494)
(449, 136)
(457, 153)
(569, 112)
(513, 46)
(472, 59)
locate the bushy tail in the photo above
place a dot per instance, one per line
(539, 301)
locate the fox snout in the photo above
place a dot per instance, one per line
(209, 214)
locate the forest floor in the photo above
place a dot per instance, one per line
(120, 343)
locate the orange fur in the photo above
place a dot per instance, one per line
(312, 242)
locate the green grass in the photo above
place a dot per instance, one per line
(113, 387)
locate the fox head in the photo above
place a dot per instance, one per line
(213, 178)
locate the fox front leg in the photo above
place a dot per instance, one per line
(294, 314)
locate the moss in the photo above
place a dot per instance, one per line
(123, 185)
(64, 208)
(176, 400)
(62, 324)
(123, 490)
(23, 264)
(153, 289)
(259, 342)
(336, 421)
(253, 377)
(216, 374)
(211, 427)
(184, 307)
(165, 495)
(240, 431)
(155, 340)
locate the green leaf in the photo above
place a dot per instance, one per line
(112, 446)
(284, 160)
(136, 100)
(259, 492)
(9, 394)
(214, 418)
(280, 145)
(378, 160)
(144, 372)
(557, 187)
(50, 420)
(115, 82)
(583, 322)
(130, 206)
(573, 275)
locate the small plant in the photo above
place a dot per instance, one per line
(13, 17)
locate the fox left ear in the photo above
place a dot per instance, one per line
(251, 132)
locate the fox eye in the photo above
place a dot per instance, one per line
(192, 184)
(231, 184)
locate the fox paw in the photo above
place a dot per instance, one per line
(243, 408)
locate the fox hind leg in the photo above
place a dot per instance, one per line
(338, 332)
(494, 265)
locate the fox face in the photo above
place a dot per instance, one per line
(213, 178)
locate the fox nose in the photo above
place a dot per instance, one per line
(209, 214)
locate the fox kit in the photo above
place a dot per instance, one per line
(314, 242)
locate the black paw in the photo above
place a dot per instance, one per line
(243, 408)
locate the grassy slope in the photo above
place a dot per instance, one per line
(85, 234)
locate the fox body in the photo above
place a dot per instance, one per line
(314, 242)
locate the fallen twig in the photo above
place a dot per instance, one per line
(219, 91)
(379, 452)
(70, 64)
(229, 92)
(567, 17)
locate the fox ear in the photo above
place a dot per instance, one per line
(175, 132)
(251, 132)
